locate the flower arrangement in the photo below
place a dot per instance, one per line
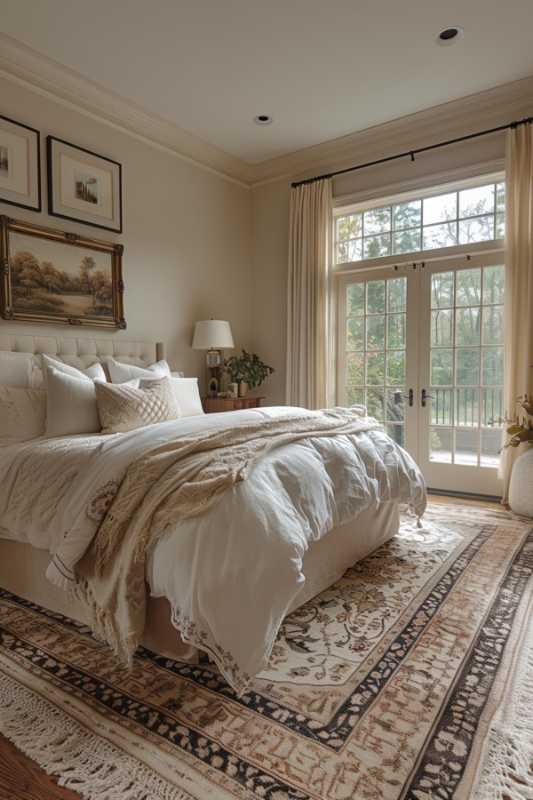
(521, 428)
(248, 368)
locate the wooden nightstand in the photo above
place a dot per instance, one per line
(213, 405)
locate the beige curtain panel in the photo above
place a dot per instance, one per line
(310, 213)
(518, 278)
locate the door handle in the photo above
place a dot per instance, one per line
(424, 397)
(398, 397)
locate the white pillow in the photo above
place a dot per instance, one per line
(187, 396)
(71, 404)
(121, 373)
(22, 414)
(20, 369)
(95, 372)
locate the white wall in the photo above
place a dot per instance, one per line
(187, 234)
(271, 200)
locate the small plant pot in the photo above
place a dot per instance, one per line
(243, 389)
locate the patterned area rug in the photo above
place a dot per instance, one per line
(412, 677)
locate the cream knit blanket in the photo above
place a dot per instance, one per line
(175, 481)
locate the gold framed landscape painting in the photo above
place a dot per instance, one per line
(84, 186)
(20, 165)
(56, 277)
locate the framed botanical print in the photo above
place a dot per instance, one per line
(84, 186)
(20, 165)
(57, 277)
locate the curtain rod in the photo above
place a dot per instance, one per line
(412, 153)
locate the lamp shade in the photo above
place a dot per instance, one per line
(212, 334)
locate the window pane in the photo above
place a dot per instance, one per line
(467, 367)
(396, 331)
(406, 241)
(375, 332)
(493, 284)
(440, 236)
(441, 367)
(442, 406)
(468, 287)
(491, 443)
(493, 366)
(375, 403)
(480, 229)
(397, 292)
(397, 434)
(466, 444)
(492, 412)
(473, 202)
(440, 208)
(349, 251)
(396, 368)
(376, 246)
(499, 229)
(355, 299)
(467, 326)
(375, 297)
(440, 445)
(407, 215)
(442, 290)
(500, 198)
(349, 227)
(395, 405)
(377, 220)
(441, 328)
(355, 369)
(355, 396)
(355, 333)
(375, 368)
(493, 325)
(467, 407)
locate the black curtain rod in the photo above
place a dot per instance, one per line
(412, 153)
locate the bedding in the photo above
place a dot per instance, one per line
(95, 371)
(22, 414)
(187, 395)
(20, 369)
(129, 406)
(121, 373)
(237, 567)
(71, 404)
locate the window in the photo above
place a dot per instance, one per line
(447, 219)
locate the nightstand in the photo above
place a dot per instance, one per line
(213, 405)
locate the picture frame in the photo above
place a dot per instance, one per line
(20, 165)
(83, 186)
(49, 276)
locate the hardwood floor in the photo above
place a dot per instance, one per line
(22, 779)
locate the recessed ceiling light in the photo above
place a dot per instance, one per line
(450, 35)
(263, 119)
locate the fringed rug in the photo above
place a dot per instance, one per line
(412, 677)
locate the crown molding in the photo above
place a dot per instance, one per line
(23, 65)
(486, 109)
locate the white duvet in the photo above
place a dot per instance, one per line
(231, 574)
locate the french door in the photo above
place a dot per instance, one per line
(421, 345)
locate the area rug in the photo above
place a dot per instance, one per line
(412, 677)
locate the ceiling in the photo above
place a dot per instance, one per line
(321, 69)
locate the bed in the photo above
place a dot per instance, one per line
(221, 582)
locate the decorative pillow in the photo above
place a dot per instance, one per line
(187, 396)
(126, 407)
(20, 369)
(71, 404)
(22, 414)
(120, 373)
(95, 372)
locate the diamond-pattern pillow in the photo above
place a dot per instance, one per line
(124, 407)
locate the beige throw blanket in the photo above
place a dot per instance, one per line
(178, 480)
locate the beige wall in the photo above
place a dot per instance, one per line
(187, 233)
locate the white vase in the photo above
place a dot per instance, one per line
(521, 485)
(243, 389)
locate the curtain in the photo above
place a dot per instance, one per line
(518, 278)
(310, 214)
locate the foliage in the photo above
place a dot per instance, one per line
(249, 368)
(521, 429)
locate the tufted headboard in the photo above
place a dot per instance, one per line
(82, 353)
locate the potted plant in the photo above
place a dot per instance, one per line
(248, 370)
(520, 432)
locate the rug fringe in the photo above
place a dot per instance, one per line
(83, 762)
(507, 772)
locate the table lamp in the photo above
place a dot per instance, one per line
(213, 335)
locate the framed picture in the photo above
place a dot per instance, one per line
(56, 277)
(84, 186)
(20, 165)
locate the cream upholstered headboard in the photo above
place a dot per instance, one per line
(83, 352)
